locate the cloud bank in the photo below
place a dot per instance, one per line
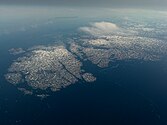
(100, 28)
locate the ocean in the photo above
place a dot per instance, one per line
(126, 93)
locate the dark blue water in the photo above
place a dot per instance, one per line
(124, 95)
(127, 93)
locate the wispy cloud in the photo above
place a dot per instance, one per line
(100, 28)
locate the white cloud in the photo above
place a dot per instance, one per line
(100, 28)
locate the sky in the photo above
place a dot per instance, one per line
(90, 3)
